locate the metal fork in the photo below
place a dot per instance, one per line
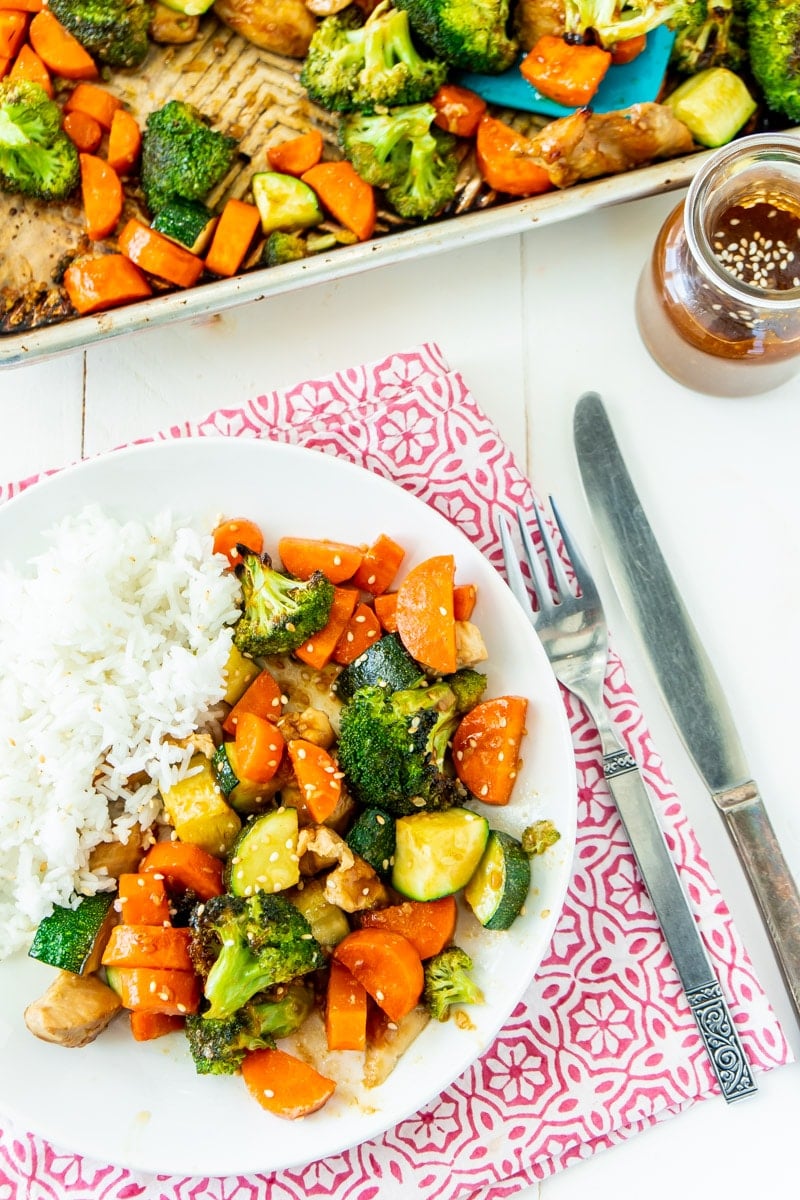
(572, 629)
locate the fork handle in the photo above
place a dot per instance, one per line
(678, 924)
(768, 872)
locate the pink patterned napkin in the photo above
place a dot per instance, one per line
(602, 1044)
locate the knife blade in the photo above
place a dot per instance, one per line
(686, 679)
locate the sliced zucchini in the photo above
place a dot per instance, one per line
(192, 8)
(285, 202)
(73, 939)
(386, 663)
(264, 857)
(436, 853)
(713, 105)
(372, 837)
(199, 812)
(240, 672)
(245, 796)
(187, 222)
(328, 922)
(500, 885)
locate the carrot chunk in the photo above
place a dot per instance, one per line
(235, 231)
(95, 284)
(506, 161)
(83, 131)
(60, 52)
(144, 990)
(145, 1026)
(264, 698)
(428, 924)
(185, 868)
(95, 102)
(159, 256)
(102, 196)
(465, 596)
(317, 777)
(319, 648)
(28, 65)
(154, 946)
(143, 900)
(124, 142)
(458, 109)
(379, 566)
(259, 747)
(387, 965)
(359, 633)
(386, 611)
(297, 155)
(301, 557)
(237, 531)
(568, 72)
(284, 1085)
(13, 27)
(345, 1010)
(345, 195)
(28, 6)
(425, 619)
(486, 747)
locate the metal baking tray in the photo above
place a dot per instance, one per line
(259, 95)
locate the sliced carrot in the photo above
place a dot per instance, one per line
(465, 596)
(13, 27)
(28, 65)
(345, 195)
(60, 52)
(486, 747)
(124, 142)
(143, 990)
(345, 1010)
(318, 777)
(103, 196)
(627, 51)
(319, 648)
(264, 698)
(83, 131)
(185, 867)
(284, 1085)
(145, 1026)
(159, 256)
(95, 102)
(387, 965)
(154, 946)
(301, 557)
(259, 747)
(506, 160)
(28, 6)
(95, 284)
(5, 66)
(458, 109)
(236, 228)
(568, 72)
(380, 564)
(386, 611)
(425, 620)
(143, 900)
(238, 531)
(359, 633)
(428, 924)
(297, 155)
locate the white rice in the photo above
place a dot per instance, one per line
(113, 639)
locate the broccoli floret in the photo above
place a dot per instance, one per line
(469, 34)
(113, 31)
(448, 982)
(538, 837)
(241, 945)
(278, 613)
(608, 22)
(350, 65)
(468, 687)
(709, 35)
(218, 1045)
(181, 156)
(36, 156)
(281, 247)
(392, 748)
(773, 40)
(402, 152)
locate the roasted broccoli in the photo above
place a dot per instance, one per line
(609, 22)
(351, 65)
(113, 31)
(181, 156)
(241, 945)
(218, 1045)
(392, 748)
(773, 40)
(448, 982)
(278, 613)
(469, 34)
(538, 837)
(403, 152)
(282, 247)
(36, 156)
(709, 34)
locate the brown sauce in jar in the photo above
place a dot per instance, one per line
(759, 245)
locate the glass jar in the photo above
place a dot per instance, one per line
(718, 305)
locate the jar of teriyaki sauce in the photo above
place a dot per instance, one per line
(718, 305)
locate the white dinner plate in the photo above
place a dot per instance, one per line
(142, 1105)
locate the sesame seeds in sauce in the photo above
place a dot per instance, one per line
(758, 245)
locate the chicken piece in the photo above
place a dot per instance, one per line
(536, 18)
(312, 724)
(352, 885)
(282, 26)
(586, 145)
(307, 687)
(119, 858)
(470, 646)
(201, 743)
(172, 28)
(387, 1041)
(326, 8)
(73, 1010)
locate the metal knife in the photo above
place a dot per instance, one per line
(686, 678)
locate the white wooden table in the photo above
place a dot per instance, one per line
(532, 322)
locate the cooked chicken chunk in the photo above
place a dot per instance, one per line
(307, 687)
(352, 885)
(470, 646)
(312, 724)
(73, 1010)
(282, 26)
(388, 1041)
(119, 858)
(172, 28)
(536, 18)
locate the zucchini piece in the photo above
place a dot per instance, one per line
(245, 796)
(73, 939)
(285, 202)
(500, 885)
(328, 922)
(372, 837)
(386, 663)
(437, 852)
(187, 222)
(240, 672)
(191, 8)
(199, 812)
(713, 105)
(264, 857)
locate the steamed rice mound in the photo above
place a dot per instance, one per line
(114, 639)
